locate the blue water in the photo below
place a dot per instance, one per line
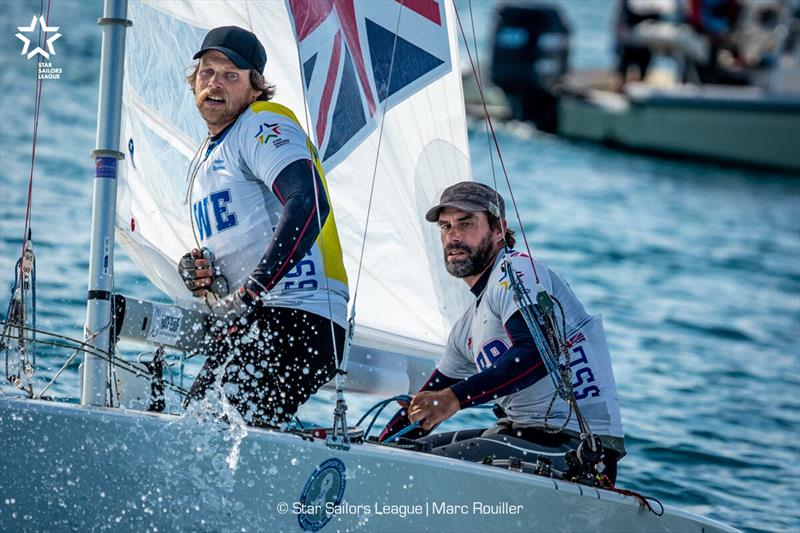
(695, 267)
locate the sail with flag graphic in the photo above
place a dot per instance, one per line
(374, 85)
(349, 74)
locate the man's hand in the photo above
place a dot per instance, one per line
(429, 408)
(196, 272)
(231, 307)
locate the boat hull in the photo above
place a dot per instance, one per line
(738, 126)
(66, 466)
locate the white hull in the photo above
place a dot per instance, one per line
(735, 125)
(70, 467)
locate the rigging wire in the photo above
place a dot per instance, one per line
(313, 157)
(341, 368)
(26, 281)
(494, 137)
(84, 347)
(377, 156)
(36, 111)
(480, 80)
(340, 408)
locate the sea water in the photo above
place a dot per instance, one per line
(694, 267)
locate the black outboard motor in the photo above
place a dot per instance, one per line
(529, 58)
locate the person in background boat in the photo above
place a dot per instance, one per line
(268, 260)
(491, 355)
(717, 21)
(630, 52)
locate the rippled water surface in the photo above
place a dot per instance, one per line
(695, 267)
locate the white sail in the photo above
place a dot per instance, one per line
(344, 56)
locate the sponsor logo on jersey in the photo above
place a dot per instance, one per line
(504, 282)
(270, 132)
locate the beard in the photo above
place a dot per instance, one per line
(218, 115)
(476, 260)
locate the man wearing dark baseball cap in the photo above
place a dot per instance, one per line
(491, 355)
(242, 47)
(259, 202)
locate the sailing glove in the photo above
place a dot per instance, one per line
(233, 306)
(201, 277)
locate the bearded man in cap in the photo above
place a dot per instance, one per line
(491, 355)
(268, 260)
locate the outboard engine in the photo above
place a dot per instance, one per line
(529, 58)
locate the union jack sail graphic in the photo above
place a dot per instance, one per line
(357, 54)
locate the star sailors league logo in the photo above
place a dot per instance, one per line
(27, 41)
(29, 33)
(356, 55)
(322, 493)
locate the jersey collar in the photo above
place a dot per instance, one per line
(214, 140)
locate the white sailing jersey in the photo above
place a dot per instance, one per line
(479, 338)
(235, 211)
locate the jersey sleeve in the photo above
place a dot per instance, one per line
(574, 311)
(502, 295)
(269, 143)
(455, 363)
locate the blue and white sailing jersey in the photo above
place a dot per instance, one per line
(235, 210)
(479, 338)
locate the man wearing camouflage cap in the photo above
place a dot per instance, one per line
(491, 355)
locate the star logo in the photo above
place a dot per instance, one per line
(26, 42)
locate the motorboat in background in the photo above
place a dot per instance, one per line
(731, 96)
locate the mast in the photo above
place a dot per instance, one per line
(99, 327)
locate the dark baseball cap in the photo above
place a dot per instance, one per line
(469, 196)
(242, 47)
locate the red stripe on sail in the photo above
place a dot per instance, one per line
(327, 92)
(426, 8)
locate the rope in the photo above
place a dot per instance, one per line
(16, 318)
(19, 267)
(380, 406)
(407, 429)
(191, 175)
(644, 501)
